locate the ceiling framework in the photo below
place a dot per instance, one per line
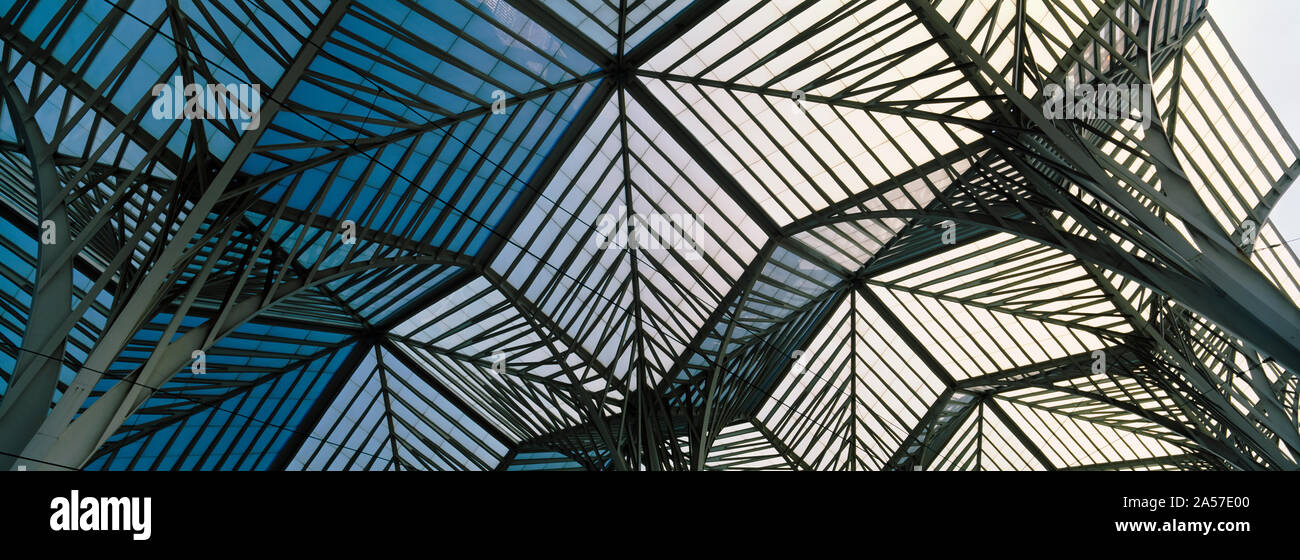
(900, 262)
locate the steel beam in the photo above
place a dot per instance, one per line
(26, 400)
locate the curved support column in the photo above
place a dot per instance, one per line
(26, 401)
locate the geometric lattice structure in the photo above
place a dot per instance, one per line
(900, 260)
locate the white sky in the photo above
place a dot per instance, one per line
(1263, 34)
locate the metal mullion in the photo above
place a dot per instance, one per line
(917, 440)
(900, 376)
(183, 39)
(711, 381)
(410, 287)
(1018, 345)
(363, 47)
(469, 456)
(451, 419)
(185, 454)
(281, 54)
(398, 464)
(423, 11)
(262, 431)
(488, 397)
(891, 87)
(405, 200)
(756, 35)
(360, 449)
(1122, 431)
(1222, 199)
(647, 19)
(782, 448)
(389, 439)
(562, 30)
(587, 320)
(825, 314)
(831, 48)
(899, 420)
(93, 44)
(987, 24)
(826, 196)
(1068, 433)
(956, 453)
(590, 326)
(534, 151)
(162, 455)
(53, 32)
(523, 305)
(352, 401)
(848, 409)
(779, 148)
(206, 454)
(292, 167)
(895, 284)
(844, 186)
(1035, 427)
(721, 311)
(748, 142)
(615, 33)
(291, 257)
(388, 406)
(690, 298)
(943, 325)
(853, 234)
(809, 431)
(1089, 29)
(688, 142)
(375, 456)
(874, 437)
(247, 270)
(249, 419)
(428, 462)
(1003, 447)
(1254, 89)
(329, 394)
(673, 317)
(472, 173)
(836, 447)
(437, 458)
(551, 248)
(885, 107)
(899, 148)
(1233, 156)
(373, 286)
(380, 87)
(803, 424)
(841, 45)
(676, 169)
(136, 458)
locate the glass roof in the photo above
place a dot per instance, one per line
(652, 234)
